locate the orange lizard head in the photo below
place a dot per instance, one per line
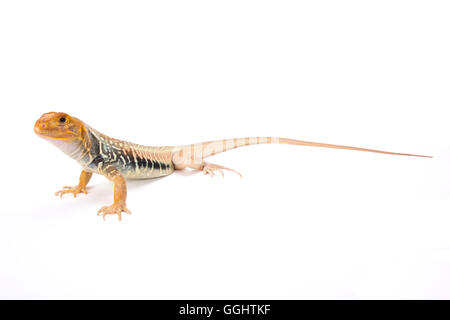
(59, 126)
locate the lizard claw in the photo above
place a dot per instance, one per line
(74, 190)
(211, 169)
(115, 208)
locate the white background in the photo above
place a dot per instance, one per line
(303, 222)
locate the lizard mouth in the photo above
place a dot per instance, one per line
(42, 131)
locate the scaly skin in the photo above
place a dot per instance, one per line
(119, 160)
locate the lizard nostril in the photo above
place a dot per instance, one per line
(43, 125)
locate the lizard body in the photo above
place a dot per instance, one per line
(119, 160)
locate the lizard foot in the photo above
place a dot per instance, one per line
(115, 208)
(74, 190)
(210, 169)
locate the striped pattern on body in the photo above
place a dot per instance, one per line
(133, 161)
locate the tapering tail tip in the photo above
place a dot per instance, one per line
(413, 155)
(337, 146)
(417, 155)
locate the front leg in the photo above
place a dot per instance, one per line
(80, 188)
(120, 193)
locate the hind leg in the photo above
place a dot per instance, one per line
(211, 168)
(208, 168)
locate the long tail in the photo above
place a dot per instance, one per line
(195, 153)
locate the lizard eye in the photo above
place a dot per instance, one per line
(62, 119)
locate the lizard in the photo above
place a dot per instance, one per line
(120, 160)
